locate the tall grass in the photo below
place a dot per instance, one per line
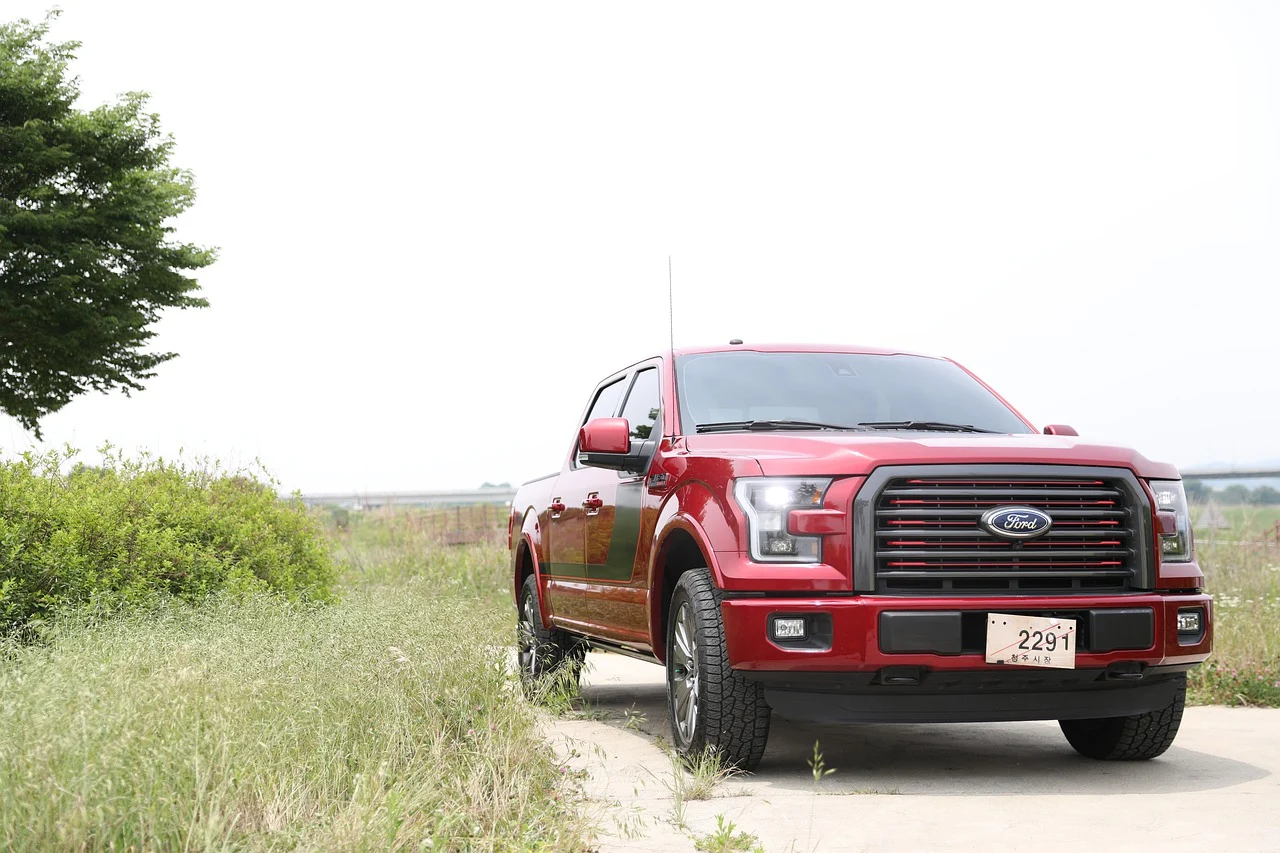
(1243, 573)
(392, 546)
(386, 721)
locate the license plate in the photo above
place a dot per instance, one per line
(1031, 641)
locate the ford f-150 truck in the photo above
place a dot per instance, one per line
(857, 535)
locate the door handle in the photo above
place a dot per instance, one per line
(594, 502)
(556, 507)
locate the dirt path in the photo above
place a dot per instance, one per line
(1006, 787)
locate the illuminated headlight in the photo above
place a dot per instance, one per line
(1175, 547)
(767, 501)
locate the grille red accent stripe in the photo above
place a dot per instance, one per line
(1013, 484)
(1056, 543)
(936, 523)
(1045, 564)
(944, 503)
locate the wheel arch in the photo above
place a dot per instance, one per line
(683, 547)
(526, 564)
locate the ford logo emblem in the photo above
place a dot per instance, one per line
(1016, 522)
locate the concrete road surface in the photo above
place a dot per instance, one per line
(974, 787)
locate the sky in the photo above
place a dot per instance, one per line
(440, 224)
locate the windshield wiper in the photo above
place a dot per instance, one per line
(728, 426)
(937, 426)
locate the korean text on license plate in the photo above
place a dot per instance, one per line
(1031, 641)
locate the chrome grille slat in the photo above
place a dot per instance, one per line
(973, 530)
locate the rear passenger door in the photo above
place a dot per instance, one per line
(567, 523)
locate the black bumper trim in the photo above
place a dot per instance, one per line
(968, 696)
(954, 632)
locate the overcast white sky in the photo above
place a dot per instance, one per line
(441, 223)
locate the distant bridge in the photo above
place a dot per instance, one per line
(375, 500)
(1231, 474)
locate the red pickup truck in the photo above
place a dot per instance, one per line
(857, 535)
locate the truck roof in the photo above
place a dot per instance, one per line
(773, 347)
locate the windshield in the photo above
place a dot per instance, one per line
(843, 389)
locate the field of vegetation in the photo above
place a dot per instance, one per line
(190, 664)
(1242, 571)
(381, 715)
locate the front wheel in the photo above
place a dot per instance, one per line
(711, 706)
(1133, 738)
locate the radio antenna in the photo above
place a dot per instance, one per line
(671, 304)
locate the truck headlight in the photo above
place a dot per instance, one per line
(1173, 518)
(767, 501)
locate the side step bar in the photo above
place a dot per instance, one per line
(618, 649)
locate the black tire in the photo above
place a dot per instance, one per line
(546, 656)
(1135, 738)
(729, 714)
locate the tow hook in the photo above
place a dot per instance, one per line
(1124, 670)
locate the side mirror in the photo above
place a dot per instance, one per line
(1060, 429)
(605, 435)
(606, 443)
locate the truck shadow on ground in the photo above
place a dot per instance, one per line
(938, 759)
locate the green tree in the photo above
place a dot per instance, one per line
(1237, 495)
(1265, 496)
(87, 256)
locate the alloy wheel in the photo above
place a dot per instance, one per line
(684, 673)
(527, 640)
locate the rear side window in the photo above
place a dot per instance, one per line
(643, 404)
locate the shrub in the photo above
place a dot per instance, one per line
(133, 530)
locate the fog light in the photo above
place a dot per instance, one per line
(1189, 621)
(788, 629)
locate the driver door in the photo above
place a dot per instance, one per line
(621, 516)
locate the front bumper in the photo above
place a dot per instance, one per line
(860, 660)
(853, 635)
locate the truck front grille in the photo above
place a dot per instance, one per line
(928, 539)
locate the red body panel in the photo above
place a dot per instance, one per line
(572, 531)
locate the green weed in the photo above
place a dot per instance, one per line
(726, 840)
(705, 772)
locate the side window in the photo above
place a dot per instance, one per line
(643, 404)
(606, 401)
(606, 404)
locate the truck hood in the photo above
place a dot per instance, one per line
(817, 453)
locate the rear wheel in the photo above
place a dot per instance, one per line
(1134, 738)
(711, 706)
(547, 657)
